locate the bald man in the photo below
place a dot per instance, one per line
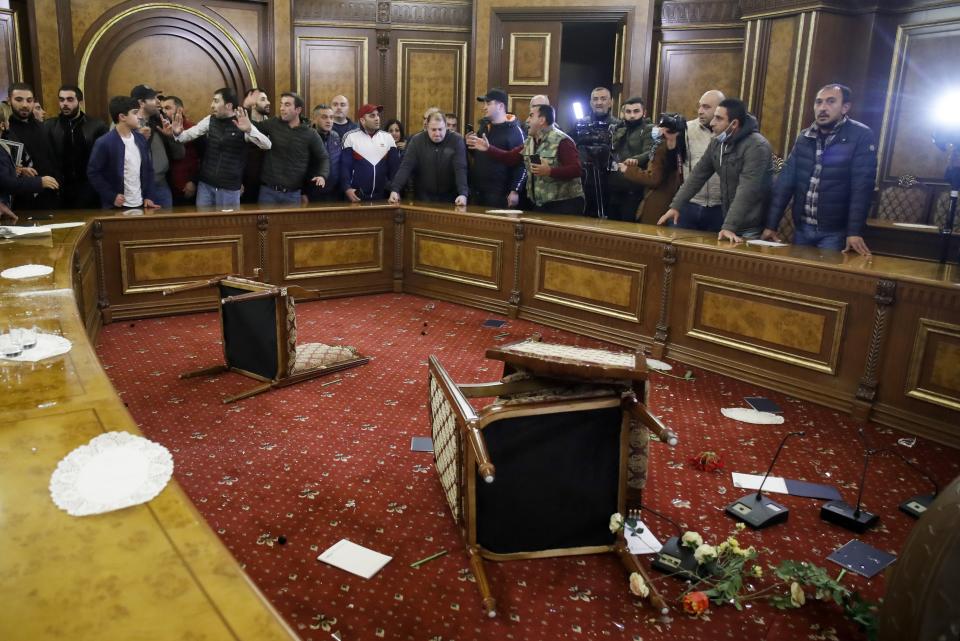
(538, 100)
(341, 122)
(703, 212)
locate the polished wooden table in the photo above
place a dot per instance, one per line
(877, 337)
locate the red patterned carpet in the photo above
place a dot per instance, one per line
(318, 462)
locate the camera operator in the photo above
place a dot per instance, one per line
(553, 167)
(631, 144)
(593, 139)
(664, 173)
(494, 184)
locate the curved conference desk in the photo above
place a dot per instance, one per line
(877, 337)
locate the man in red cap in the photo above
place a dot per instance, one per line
(369, 159)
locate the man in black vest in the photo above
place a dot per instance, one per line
(228, 129)
(72, 135)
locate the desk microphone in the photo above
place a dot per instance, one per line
(843, 514)
(915, 506)
(757, 510)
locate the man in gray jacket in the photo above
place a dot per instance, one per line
(439, 159)
(742, 159)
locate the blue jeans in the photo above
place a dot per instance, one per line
(270, 196)
(208, 195)
(699, 217)
(161, 193)
(811, 235)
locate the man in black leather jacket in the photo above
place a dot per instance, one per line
(72, 134)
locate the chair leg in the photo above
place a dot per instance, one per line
(253, 391)
(632, 564)
(476, 564)
(216, 369)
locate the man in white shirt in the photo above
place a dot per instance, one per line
(228, 130)
(120, 166)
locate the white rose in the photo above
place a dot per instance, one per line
(616, 522)
(638, 586)
(692, 539)
(797, 597)
(705, 553)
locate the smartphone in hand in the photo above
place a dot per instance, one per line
(534, 159)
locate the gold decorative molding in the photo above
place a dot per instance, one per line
(589, 283)
(545, 36)
(85, 58)
(333, 39)
(827, 316)
(233, 264)
(463, 259)
(934, 381)
(316, 254)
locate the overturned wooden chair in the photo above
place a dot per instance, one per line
(259, 328)
(540, 470)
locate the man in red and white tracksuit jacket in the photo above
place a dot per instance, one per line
(369, 159)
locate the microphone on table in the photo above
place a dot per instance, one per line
(843, 514)
(915, 506)
(757, 510)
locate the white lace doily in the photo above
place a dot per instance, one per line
(113, 471)
(26, 271)
(653, 363)
(48, 346)
(747, 415)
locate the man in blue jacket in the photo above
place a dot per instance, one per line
(120, 167)
(369, 159)
(830, 176)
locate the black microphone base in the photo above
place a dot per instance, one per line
(845, 515)
(917, 505)
(758, 512)
(677, 560)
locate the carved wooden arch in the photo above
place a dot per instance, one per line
(134, 21)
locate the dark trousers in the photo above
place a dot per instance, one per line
(622, 205)
(701, 218)
(489, 197)
(46, 199)
(569, 206)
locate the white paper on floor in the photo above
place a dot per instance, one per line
(653, 363)
(748, 415)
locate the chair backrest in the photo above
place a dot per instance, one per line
(908, 201)
(257, 333)
(561, 466)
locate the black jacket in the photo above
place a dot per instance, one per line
(440, 168)
(491, 180)
(297, 155)
(846, 180)
(37, 147)
(11, 183)
(73, 159)
(225, 156)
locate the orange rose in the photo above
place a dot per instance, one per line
(695, 603)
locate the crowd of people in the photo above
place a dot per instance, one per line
(712, 173)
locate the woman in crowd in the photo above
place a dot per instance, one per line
(664, 172)
(395, 128)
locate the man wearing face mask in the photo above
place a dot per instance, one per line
(830, 175)
(703, 212)
(630, 143)
(741, 157)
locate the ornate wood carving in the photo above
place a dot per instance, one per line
(750, 8)
(679, 13)
(518, 236)
(663, 329)
(437, 14)
(345, 11)
(398, 221)
(262, 223)
(102, 301)
(383, 12)
(867, 389)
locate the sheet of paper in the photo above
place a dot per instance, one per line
(752, 482)
(862, 558)
(915, 225)
(766, 243)
(644, 542)
(12, 231)
(354, 558)
(63, 225)
(421, 444)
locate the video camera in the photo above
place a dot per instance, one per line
(672, 122)
(592, 133)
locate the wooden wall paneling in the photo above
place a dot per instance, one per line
(687, 68)
(798, 329)
(45, 49)
(195, 54)
(12, 68)
(924, 66)
(638, 16)
(778, 67)
(329, 63)
(606, 286)
(529, 61)
(430, 73)
(922, 392)
(448, 257)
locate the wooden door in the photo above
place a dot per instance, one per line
(529, 62)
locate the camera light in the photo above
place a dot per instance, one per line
(945, 109)
(578, 111)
